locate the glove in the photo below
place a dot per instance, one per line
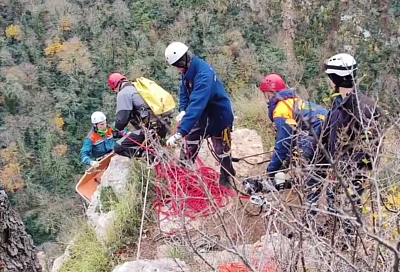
(233, 123)
(172, 141)
(252, 186)
(180, 116)
(116, 134)
(280, 186)
(94, 164)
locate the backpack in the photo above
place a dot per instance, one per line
(158, 99)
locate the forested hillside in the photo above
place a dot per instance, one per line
(56, 55)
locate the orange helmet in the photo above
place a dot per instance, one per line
(273, 83)
(114, 79)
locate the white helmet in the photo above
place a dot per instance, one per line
(175, 51)
(98, 117)
(341, 64)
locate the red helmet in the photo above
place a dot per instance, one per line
(273, 83)
(114, 79)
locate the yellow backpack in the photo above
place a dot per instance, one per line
(158, 99)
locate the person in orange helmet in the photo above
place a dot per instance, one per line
(284, 108)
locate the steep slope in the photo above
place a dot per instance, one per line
(55, 56)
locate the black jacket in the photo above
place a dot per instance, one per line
(351, 123)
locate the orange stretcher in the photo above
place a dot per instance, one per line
(89, 182)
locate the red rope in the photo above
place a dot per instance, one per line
(188, 192)
(181, 191)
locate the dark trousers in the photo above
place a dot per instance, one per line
(307, 146)
(355, 173)
(128, 148)
(221, 146)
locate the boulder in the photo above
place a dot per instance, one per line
(115, 177)
(263, 255)
(245, 142)
(160, 265)
(58, 263)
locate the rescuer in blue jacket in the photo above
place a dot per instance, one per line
(281, 109)
(205, 109)
(287, 111)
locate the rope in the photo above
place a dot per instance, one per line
(142, 220)
(187, 191)
(182, 191)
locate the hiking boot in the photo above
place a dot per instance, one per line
(224, 181)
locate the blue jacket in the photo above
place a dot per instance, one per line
(203, 97)
(286, 105)
(95, 146)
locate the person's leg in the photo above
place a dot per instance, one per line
(315, 176)
(128, 146)
(193, 143)
(307, 145)
(222, 148)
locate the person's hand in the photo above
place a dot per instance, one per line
(180, 116)
(172, 141)
(116, 134)
(94, 164)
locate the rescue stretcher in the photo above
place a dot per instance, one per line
(89, 182)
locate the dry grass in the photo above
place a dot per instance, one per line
(251, 110)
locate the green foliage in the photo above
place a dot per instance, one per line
(126, 229)
(11, 95)
(107, 198)
(38, 229)
(87, 253)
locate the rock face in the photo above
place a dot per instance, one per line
(57, 264)
(116, 176)
(17, 252)
(161, 265)
(262, 255)
(42, 260)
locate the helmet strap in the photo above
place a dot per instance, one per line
(119, 86)
(337, 89)
(98, 131)
(184, 61)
